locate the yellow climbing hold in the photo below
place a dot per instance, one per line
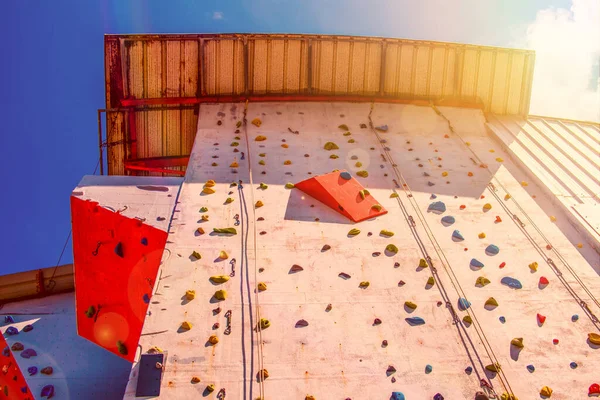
(410, 304)
(186, 325)
(260, 138)
(517, 342)
(344, 127)
(219, 278)
(287, 162)
(468, 143)
(238, 124)
(362, 174)
(221, 294)
(423, 263)
(491, 302)
(234, 144)
(210, 183)
(223, 255)
(506, 396)
(500, 159)
(229, 200)
(431, 281)
(493, 367)
(358, 164)
(364, 284)
(533, 266)
(210, 388)
(580, 245)
(351, 141)
(487, 206)
(214, 164)
(309, 397)
(258, 204)
(289, 185)
(196, 255)
(204, 217)
(334, 156)
(330, 146)
(391, 248)
(387, 233)
(208, 190)
(263, 374)
(508, 196)
(263, 186)
(524, 183)
(467, 319)
(195, 379)
(261, 286)
(262, 154)
(200, 231)
(264, 323)
(285, 146)
(393, 195)
(364, 193)
(546, 391)
(347, 134)
(353, 232)
(492, 151)
(481, 235)
(213, 339)
(594, 338)
(256, 122)
(190, 294)
(444, 173)
(482, 281)
(234, 165)
(552, 218)
(376, 207)
(261, 162)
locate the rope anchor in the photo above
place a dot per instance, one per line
(237, 219)
(228, 319)
(232, 262)
(95, 252)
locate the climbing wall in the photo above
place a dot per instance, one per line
(297, 300)
(12, 381)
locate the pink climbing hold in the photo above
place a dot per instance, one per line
(544, 280)
(594, 389)
(502, 265)
(541, 318)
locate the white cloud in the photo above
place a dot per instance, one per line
(567, 47)
(217, 15)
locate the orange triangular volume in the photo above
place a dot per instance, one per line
(341, 195)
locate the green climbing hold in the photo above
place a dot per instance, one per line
(386, 233)
(344, 127)
(362, 174)
(517, 342)
(376, 207)
(238, 124)
(493, 367)
(491, 302)
(364, 284)
(261, 162)
(220, 294)
(354, 232)
(204, 209)
(263, 186)
(196, 255)
(410, 304)
(234, 144)
(482, 281)
(122, 348)
(264, 323)
(393, 195)
(423, 263)
(330, 146)
(262, 154)
(431, 281)
(219, 279)
(289, 185)
(347, 134)
(351, 141)
(91, 311)
(467, 319)
(232, 184)
(229, 200)
(391, 248)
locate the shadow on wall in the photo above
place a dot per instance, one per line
(302, 207)
(81, 369)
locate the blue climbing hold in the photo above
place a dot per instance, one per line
(119, 249)
(397, 396)
(146, 298)
(428, 369)
(345, 175)
(573, 365)
(433, 196)
(437, 207)
(469, 370)
(11, 330)
(530, 368)
(502, 319)
(575, 318)
(492, 250)
(382, 128)
(144, 241)
(476, 263)
(9, 319)
(511, 282)
(32, 371)
(457, 235)
(463, 304)
(448, 220)
(438, 396)
(414, 321)
(6, 352)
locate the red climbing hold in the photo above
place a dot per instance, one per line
(541, 318)
(555, 341)
(502, 265)
(498, 219)
(462, 206)
(594, 389)
(482, 196)
(544, 280)
(548, 247)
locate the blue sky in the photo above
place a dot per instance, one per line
(52, 81)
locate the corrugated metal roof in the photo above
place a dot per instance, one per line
(196, 65)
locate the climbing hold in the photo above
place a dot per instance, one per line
(444, 173)
(481, 235)
(437, 207)
(27, 328)
(344, 275)
(258, 204)
(469, 370)
(502, 265)
(517, 342)
(546, 391)
(119, 249)
(264, 323)
(362, 174)
(196, 255)
(47, 391)
(391, 248)
(289, 185)
(200, 231)
(220, 294)
(382, 128)
(353, 232)
(363, 193)
(263, 186)
(430, 281)
(415, 321)
(498, 219)
(469, 174)
(229, 231)
(492, 302)
(17, 346)
(309, 397)
(401, 283)
(544, 281)
(467, 319)
(32, 371)
(457, 235)
(423, 263)
(210, 388)
(217, 279)
(260, 138)
(463, 304)
(482, 281)
(204, 217)
(213, 339)
(511, 282)
(507, 196)
(262, 375)
(203, 209)
(393, 195)
(410, 304)
(579, 245)
(28, 353)
(376, 207)
(256, 122)
(91, 311)
(223, 255)
(215, 164)
(428, 369)
(530, 368)
(330, 146)
(499, 159)
(190, 294)
(296, 268)
(287, 162)
(492, 249)
(448, 220)
(208, 190)
(573, 365)
(533, 266)
(364, 284)
(328, 308)
(377, 321)
(487, 206)
(347, 134)
(185, 325)
(334, 156)
(493, 367)
(210, 183)
(476, 263)
(344, 127)
(594, 389)
(301, 323)
(524, 183)
(506, 396)
(594, 338)
(351, 141)
(261, 162)
(574, 318)
(195, 379)
(325, 247)
(261, 286)
(502, 319)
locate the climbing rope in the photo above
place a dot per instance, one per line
(441, 255)
(492, 189)
(256, 291)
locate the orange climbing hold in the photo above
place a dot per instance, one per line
(462, 206)
(498, 219)
(470, 174)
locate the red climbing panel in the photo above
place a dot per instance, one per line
(342, 195)
(12, 381)
(116, 261)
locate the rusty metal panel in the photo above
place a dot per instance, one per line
(421, 68)
(134, 54)
(224, 66)
(323, 64)
(496, 105)
(115, 146)
(484, 75)
(373, 68)
(346, 56)
(437, 71)
(296, 66)
(173, 69)
(515, 84)
(189, 68)
(257, 66)
(469, 71)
